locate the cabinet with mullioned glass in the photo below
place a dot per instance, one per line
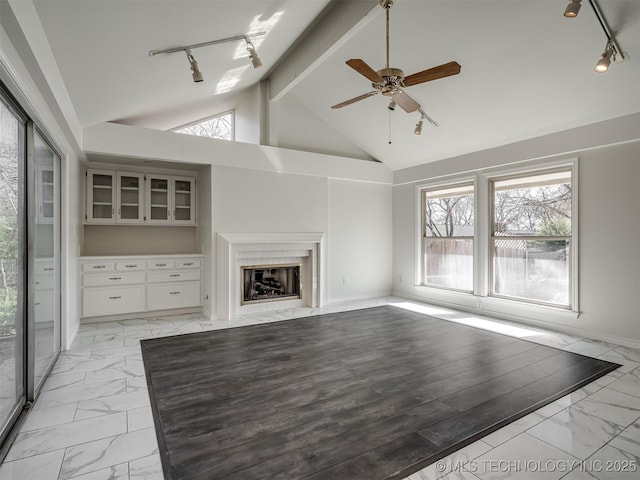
(170, 200)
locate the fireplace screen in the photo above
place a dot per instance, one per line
(268, 283)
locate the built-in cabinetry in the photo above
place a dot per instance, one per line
(118, 285)
(140, 198)
(170, 200)
(45, 194)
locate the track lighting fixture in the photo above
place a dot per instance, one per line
(392, 105)
(572, 9)
(418, 129)
(253, 55)
(603, 64)
(195, 71)
(612, 50)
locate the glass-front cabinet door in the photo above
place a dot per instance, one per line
(158, 199)
(129, 198)
(184, 200)
(101, 196)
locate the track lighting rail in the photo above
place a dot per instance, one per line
(206, 44)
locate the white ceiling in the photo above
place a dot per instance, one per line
(526, 70)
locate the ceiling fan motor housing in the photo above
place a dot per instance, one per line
(387, 3)
(392, 80)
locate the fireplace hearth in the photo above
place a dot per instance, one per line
(269, 283)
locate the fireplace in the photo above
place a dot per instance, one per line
(238, 252)
(270, 283)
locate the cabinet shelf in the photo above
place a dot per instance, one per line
(129, 205)
(102, 187)
(130, 189)
(103, 204)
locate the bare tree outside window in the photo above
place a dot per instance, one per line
(448, 237)
(220, 127)
(532, 237)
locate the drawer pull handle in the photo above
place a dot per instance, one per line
(115, 278)
(130, 266)
(175, 275)
(48, 269)
(161, 264)
(188, 264)
(114, 298)
(174, 293)
(99, 266)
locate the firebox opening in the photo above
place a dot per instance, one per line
(267, 283)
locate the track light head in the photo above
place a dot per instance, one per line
(603, 64)
(572, 9)
(418, 129)
(195, 71)
(392, 105)
(253, 55)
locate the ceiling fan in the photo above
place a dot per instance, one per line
(391, 81)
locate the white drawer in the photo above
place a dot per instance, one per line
(190, 263)
(113, 300)
(161, 296)
(160, 265)
(114, 278)
(173, 276)
(129, 266)
(97, 267)
(43, 268)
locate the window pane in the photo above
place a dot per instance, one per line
(449, 212)
(449, 263)
(220, 127)
(536, 205)
(533, 270)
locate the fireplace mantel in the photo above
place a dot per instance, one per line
(235, 248)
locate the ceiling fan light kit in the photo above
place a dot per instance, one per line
(193, 64)
(390, 81)
(612, 51)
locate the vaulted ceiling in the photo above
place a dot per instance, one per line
(526, 70)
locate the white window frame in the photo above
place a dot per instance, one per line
(481, 299)
(423, 193)
(231, 112)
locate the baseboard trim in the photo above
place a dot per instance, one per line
(127, 316)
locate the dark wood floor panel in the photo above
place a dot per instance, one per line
(371, 394)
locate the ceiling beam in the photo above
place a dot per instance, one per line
(337, 23)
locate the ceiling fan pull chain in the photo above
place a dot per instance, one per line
(389, 122)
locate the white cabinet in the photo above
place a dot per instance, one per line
(45, 194)
(121, 285)
(184, 206)
(130, 197)
(140, 198)
(101, 196)
(171, 200)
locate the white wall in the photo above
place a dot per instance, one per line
(360, 234)
(609, 227)
(295, 126)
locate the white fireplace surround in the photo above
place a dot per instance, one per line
(236, 250)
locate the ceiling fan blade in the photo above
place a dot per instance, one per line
(441, 71)
(354, 100)
(407, 103)
(362, 68)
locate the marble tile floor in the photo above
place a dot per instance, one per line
(93, 420)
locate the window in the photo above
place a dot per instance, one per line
(220, 126)
(508, 237)
(448, 231)
(531, 237)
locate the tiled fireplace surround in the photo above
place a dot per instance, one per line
(236, 250)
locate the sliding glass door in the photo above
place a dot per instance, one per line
(44, 282)
(12, 255)
(30, 296)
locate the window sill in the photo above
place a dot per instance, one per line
(500, 307)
